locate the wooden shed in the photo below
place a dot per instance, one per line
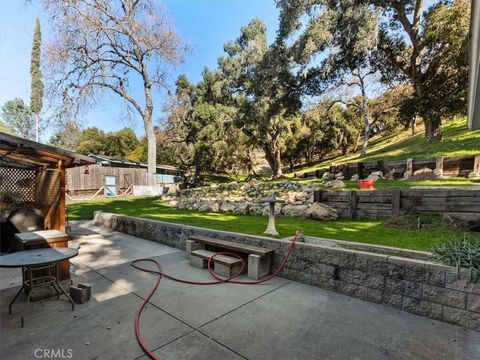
(36, 173)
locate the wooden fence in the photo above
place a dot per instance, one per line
(386, 203)
(78, 181)
(451, 166)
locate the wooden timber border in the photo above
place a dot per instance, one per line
(385, 203)
(449, 166)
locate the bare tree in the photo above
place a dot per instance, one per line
(107, 46)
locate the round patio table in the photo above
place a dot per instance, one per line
(39, 269)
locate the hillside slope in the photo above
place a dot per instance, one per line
(457, 140)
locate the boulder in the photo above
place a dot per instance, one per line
(327, 176)
(242, 208)
(255, 209)
(318, 211)
(195, 205)
(355, 177)
(375, 176)
(473, 175)
(182, 205)
(266, 209)
(389, 174)
(303, 196)
(290, 198)
(422, 174)
(339, 175)
(204, 207)
(173, 203)
(335, 184)
(227, 207)
(209, 206)
(294, 210)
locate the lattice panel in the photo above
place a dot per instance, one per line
(48, 188)
(21, 181)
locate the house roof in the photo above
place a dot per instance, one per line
(113, 160)
(18, 152)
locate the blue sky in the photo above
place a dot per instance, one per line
(205, 24)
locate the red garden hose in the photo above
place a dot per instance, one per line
(218, 280)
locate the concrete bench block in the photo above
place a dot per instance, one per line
(191, 245)
(226, 271)
(258, 266)
(198, 262)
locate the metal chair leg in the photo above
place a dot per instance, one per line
(13, 300)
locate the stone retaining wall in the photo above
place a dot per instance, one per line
(417, 286)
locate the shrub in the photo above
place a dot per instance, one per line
(461, 253)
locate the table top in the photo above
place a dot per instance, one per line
(36, 257)
(42, 235)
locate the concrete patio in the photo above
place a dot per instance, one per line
(280, 319)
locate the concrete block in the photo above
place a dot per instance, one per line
(258, 266)
(80, 293)
(473, 302)
(393, 300)
(356, 291)
(226, 271)
(460, 317)
(198, 262)
(374, 295)
(404, 287)
(300, 276)
(422, 307)
(462, 281)
(444, 296)
(435, 277)
(191, 245)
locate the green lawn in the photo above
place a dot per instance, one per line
(364, 231)
(457, 140)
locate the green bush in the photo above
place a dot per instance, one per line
(461, 253)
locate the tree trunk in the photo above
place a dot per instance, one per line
(366, 137)
(364, 114)
(274, 160)
(149, 131)
(152, 149)
(37, 127)
(355, 148)
(433, 129)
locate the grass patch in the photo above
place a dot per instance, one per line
(457, 140)
(363, 231)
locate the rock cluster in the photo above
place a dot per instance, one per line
(293, 199)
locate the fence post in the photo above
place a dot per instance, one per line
(380, 165)
(317, 196)
(476, 165)
(360, 170)
(439, 166)
(353, 204)
(409, 170)
(396, 196)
